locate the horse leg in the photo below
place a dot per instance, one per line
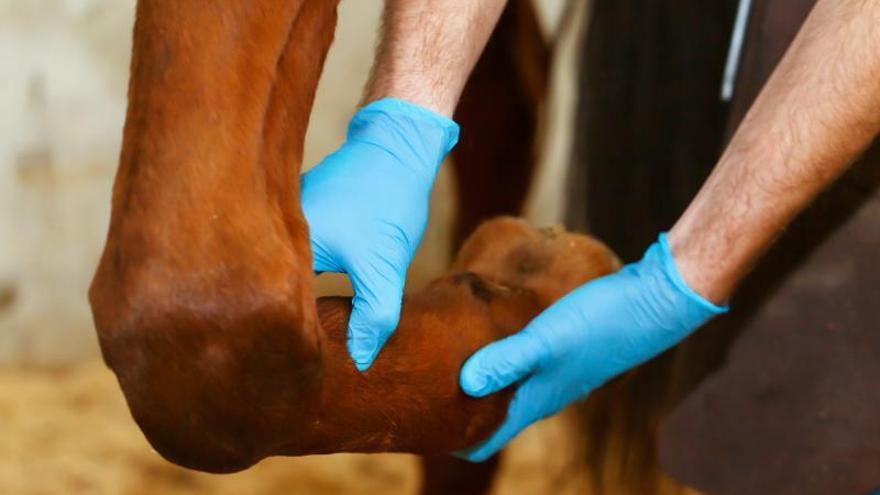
(499, 113)
(444, 474)
(203, 297)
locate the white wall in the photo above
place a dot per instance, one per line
(62, 98)
(63, 71)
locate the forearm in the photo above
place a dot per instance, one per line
(818, 111)
(429, 48)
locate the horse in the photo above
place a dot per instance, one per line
(203, 298)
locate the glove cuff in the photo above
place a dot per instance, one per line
(414, 134)
(671, 271)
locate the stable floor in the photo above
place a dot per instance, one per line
(67, 431)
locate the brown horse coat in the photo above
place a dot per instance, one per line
(203, 298)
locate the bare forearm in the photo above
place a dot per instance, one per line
(428, 49)
(818, 111)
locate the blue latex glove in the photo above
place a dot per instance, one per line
(594, 333)
(367, 207)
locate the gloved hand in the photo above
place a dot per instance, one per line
(594, 333)
(367, 207)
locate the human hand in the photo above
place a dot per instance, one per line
(594, 333)
(367, 207)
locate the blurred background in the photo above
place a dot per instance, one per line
(63, 425)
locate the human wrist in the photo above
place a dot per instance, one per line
(703, 268)
(428, 49)
(442, 103)
(678, 279)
